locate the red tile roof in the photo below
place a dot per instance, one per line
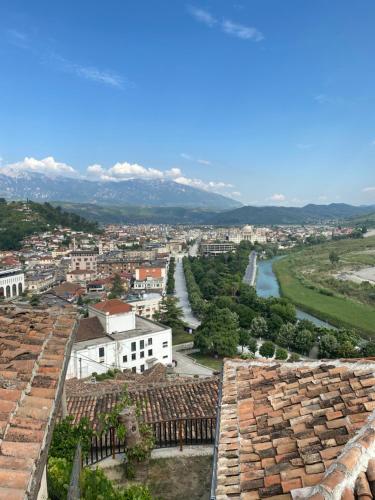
(158, 402)
(113, 306)
(296, 430)
(34, 347)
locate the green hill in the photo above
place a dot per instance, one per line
(19, 219)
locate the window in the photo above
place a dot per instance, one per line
(165, 344)
(141, 344)
(134, 369)
(101, 352)
(134, 346)
(142, 354)
(124, 359)
(142, 368)
(134, 357)
(150, 352)
(149, 341)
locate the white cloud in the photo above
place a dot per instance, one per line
(201, 161)
(227, 26)
(204, 162)
(48, 166)
(127, 170)
(95, 170)
(203, 16)
(278, 197)
(173, 172)
(206, 186)
(241, 31)
(370, 189)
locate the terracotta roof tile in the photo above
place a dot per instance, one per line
(32, 343)
(304, 430)
(113, 306)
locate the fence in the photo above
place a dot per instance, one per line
(167, 433)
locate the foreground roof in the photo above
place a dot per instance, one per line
(297, 430)
(34, 349)
(163, 401)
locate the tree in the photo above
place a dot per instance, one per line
(80, 301)
(252, 345)
(328, 346)
(368, 350)
(267, 349)
(170, 313)
(259, 327)
(244, 337)
(285, 310)
(303, 341)
(285, 337)
(117, 288)
(294, 357)
(281, 353)
(34, 300)
(218, 333)
(334, 257)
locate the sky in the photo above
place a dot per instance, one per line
(268, 102)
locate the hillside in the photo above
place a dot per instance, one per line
(20, 219)
(290, 215)
(138, 215)
(141, 192)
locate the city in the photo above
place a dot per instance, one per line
(187, 250)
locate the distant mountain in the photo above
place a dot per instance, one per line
(149, 193)
(290, 215)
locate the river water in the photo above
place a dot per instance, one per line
(268, 286)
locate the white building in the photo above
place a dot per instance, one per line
(12, 283)
(114, 337)
(146, 305)
(84, 260)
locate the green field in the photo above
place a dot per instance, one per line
(207, 360)
(309, 279)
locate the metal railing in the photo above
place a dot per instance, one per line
(167, 434)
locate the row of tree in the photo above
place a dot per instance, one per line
(170, 277)
(233, 314)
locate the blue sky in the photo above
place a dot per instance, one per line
(271, 102)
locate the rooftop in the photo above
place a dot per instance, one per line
(34, 349)
(113, 306)
(297, 430)
(162, 401)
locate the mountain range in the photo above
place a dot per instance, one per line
(139, 192)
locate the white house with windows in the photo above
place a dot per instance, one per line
(114, 337)
(12, 283)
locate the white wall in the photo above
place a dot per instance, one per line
(156, 345)
(114, 322)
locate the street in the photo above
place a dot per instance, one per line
(251, 270)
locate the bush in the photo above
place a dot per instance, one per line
(294, 357)
(58, 477)
(281, 353)
(95, 485)
(252, 345)
(267, 349)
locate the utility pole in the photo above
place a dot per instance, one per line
(80, 367)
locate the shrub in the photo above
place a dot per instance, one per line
(267, 349)
(252, 345)
(294, 357)
(58, 477)
(281, 353)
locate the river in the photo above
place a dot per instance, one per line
(268, 286)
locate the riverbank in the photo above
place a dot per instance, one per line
(339, 311)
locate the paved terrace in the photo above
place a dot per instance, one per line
(34, 348)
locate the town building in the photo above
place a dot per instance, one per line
(38, 282)
(211, 248)
(145, 305)
(84, 260)
(114, 337)
(81, 276)
(12, 282)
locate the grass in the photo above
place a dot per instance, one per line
(207, 360)
(179, 336)
(303, 279)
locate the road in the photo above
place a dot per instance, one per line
(251, 270)
(187, 367)
(181, 291)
